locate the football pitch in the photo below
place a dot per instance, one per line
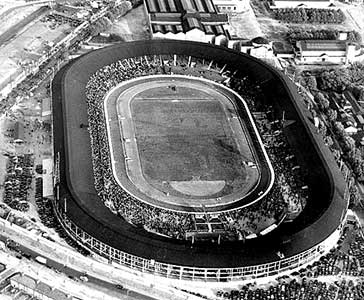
(182, 142)
(188, 139)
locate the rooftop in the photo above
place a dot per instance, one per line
(177, 16)
(318, 45)
(260, 40)
(208, 29)
(38, 286)
(189, 6)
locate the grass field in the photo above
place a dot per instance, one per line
(179, 142)
(186, 136)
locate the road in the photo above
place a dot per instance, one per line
(93, 282)
(144, 285)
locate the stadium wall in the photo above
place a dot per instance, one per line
(91, 223)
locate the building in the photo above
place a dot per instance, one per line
(37, 288)
(330, 51)
(302, 3)
(192, 20)
(258, 47)
(283, 50)
(229, 6)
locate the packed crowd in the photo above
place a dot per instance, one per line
(286, 193)
(18, 178)
(337, 275)
(304, 289)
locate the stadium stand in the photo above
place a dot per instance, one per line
(272, 96)
(287, 193)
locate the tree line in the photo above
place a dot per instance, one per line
(310, 15)
(294, 35)
(321, 84)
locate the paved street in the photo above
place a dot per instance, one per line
(103, 277)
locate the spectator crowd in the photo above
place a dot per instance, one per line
(288, 193)
(337, 275)
(304, 289)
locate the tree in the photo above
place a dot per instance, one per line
(323, 129)
(328, 140)
(349, 144)
(334, 80)
(331, 114)
(354, 36)
(322, 101)
(311, 15)
(356, 162)
(311, 83)
(339, 128)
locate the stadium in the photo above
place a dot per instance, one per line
(197, 149)
(186, 160)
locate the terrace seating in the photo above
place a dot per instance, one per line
(287, 194)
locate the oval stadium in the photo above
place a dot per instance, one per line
(192, 162)
(185, 157)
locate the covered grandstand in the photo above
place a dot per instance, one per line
(89, 221)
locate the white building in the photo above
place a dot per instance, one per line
(326, 51)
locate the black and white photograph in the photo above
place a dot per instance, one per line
(181, 149)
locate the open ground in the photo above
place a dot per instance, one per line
(27, 46)
(133, 26)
